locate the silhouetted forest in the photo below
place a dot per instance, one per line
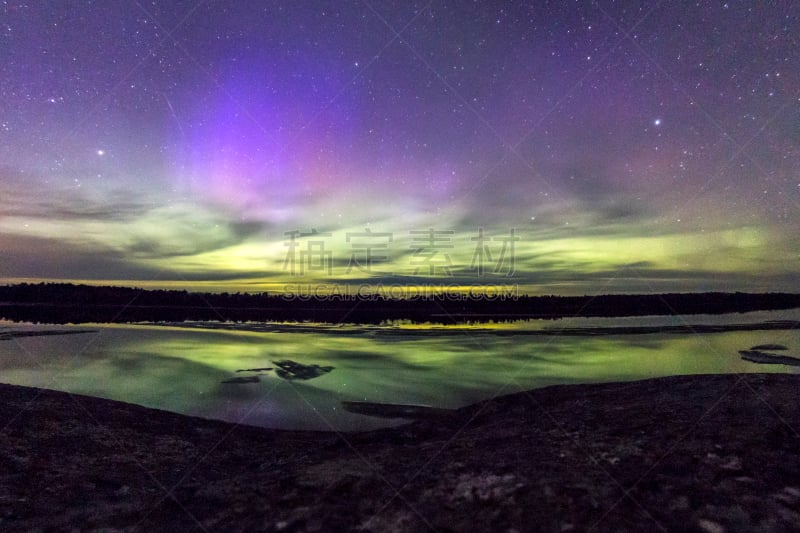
(60, 303)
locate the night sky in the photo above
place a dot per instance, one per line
(625, 146)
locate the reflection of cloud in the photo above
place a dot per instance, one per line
(356, 359)
(241, 380)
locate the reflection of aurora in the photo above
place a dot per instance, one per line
(287, 369)
(181, 369)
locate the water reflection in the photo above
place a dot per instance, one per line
(192, 370)
(756, 354)
(242, 380)
(288, 369)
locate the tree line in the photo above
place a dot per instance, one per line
(60, 303)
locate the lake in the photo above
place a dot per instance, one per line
(185, 368)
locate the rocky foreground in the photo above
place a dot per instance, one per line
(707, 453)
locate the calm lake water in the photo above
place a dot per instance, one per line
(183, 368)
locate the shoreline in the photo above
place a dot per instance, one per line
(434, 331)
(701, 452)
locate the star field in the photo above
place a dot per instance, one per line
(633, 146)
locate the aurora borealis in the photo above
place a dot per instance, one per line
(630, 146)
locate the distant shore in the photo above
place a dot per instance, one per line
(61, 303)
(334, 329)
(709, 453)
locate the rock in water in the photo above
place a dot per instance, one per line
(288, 369)
(769, 347)
(755, 356)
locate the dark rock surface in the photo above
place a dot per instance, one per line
(756, 356)
(703, 453)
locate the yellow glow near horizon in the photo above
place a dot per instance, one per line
(542, 264)
(733, 250)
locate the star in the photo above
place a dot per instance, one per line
(657, 122)
(101, 152)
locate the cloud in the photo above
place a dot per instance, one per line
(127, 224)
(46, 258)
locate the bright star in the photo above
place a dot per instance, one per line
(101, 152)
(657, 122)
